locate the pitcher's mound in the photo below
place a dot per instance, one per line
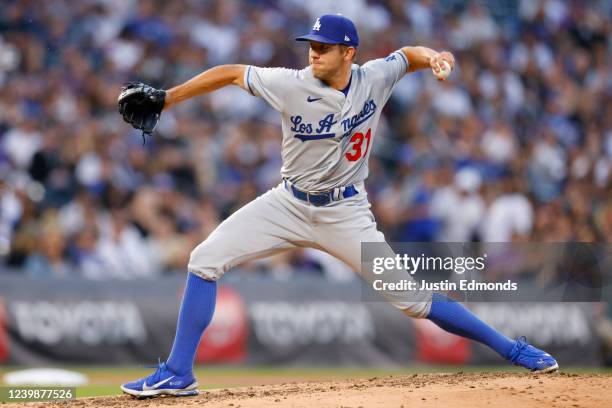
(468, 390)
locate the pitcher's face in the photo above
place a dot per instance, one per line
(327, 60)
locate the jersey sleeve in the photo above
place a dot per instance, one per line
(387, 71)
(271, 84)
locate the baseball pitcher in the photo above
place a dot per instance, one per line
(329, 112)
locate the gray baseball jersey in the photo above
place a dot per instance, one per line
(327, 136)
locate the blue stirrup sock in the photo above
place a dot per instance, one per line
(457, 319)
(197, 309)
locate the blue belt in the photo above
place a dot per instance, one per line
(320, 198)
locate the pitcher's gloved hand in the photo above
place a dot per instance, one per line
(141, 105)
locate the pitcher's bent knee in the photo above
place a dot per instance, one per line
(202, 263)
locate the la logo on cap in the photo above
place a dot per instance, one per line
(317, 25)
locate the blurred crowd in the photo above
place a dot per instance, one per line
(516, 145)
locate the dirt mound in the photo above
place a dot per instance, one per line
(469, 390)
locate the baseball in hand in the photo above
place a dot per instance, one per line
(444, 72)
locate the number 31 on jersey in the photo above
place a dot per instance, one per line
(357, 144)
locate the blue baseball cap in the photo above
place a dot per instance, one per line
(333, 29)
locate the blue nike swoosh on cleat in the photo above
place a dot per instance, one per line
(311, 99)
